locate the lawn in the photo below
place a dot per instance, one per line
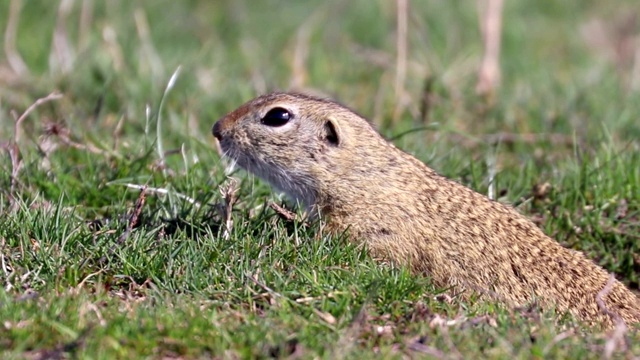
(121, 235)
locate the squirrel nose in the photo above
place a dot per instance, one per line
(217, 130)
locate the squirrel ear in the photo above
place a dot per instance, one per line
(332, 132)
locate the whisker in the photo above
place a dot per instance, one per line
(230, 167)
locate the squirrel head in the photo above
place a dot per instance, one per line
(299, 144)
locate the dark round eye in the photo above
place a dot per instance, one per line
(276, 117)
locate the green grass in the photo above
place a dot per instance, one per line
(89, 270)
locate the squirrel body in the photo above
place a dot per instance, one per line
(334, 162)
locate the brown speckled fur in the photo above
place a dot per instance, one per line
(407, 213)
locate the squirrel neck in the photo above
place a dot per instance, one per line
(375, 186)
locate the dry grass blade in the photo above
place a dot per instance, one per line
(132, 221)
(134, 217)
(428, 350)
(491, 26)
(161, 191)
(347, 340)
(62, 351)
(264, 287)
(402, 14)
(117, 132)
(16, 165)
(284, 214)
(150, 54)
(515, 138)
(601, 305)
(299, 73)
(13, 56)
(12, 146)
(5, 265)
(53, 96)
(229, 192)
(62, 51)
(86, 19)
(60, 132)
(453, 351)
(616, 39)
(616, 338)
(557, 339)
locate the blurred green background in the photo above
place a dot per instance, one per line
(567, 66)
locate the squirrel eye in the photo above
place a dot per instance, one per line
(276, 117)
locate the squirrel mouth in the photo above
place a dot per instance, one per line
(275, 176)
(234, 159)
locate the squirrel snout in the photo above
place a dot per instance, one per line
(217, 130)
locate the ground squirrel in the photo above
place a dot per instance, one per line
(334, 162)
